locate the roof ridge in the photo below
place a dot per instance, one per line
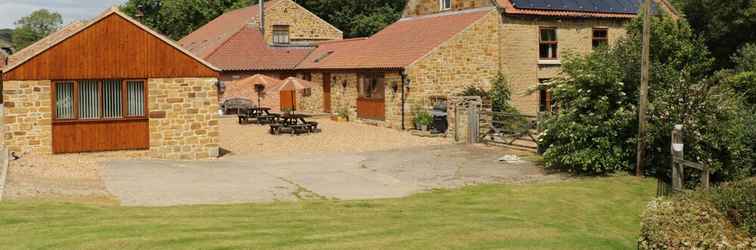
(111, 11)
(448, 13)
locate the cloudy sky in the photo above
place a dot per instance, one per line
(12, 10)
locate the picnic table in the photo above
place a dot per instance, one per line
(262, 114)
(295, 124)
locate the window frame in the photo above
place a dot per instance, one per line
(441, 5)
(554, 43)
(277, 31)
(594, 39)
(101, 102)
(546, 98)
(375, 80)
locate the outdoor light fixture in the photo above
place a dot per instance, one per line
(344, 84)
(678, 145)
(395, 86)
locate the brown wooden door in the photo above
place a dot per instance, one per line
(288, 100)
(372, 109)
(327, 93)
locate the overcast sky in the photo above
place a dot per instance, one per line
(12, 10)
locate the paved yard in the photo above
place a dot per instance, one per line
(371, 175)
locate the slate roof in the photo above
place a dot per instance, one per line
(397, 46)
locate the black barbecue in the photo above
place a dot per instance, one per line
(440, 121)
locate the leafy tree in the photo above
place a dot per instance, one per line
(38, 25)
(357, 18)
(745, 58)
(596, 128)
(725, 25)
(178, 18)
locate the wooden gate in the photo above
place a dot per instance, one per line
(372, 109)
(327, 93)
(509, 129)
(288, 100)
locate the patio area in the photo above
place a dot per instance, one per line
(251, 140)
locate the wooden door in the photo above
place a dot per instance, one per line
(327, 92)
(288, 100)
(372, 109)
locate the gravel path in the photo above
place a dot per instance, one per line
(68, 177)
(336, 137)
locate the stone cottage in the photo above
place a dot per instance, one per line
(440, 47)
(110, 84)
(270, 39)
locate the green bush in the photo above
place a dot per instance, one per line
(687, 223)
(423, 118)
(737, 201)
(595, 131)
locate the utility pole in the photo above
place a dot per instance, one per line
(645, 75)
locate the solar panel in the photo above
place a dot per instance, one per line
(604, 6)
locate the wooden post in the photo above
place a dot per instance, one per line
(645, 75)
(678, 154)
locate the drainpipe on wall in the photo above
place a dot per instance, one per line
(404, 81)
(261, 4)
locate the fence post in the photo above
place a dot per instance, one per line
(678, 154)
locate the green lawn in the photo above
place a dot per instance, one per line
(601, 213)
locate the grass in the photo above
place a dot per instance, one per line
(596, 213)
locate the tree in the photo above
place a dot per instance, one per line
(178, 18)
(725, 25)
(38, 25)
(594, 131)
(356, 18)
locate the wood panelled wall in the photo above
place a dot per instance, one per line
(113, 48)
(95, 136)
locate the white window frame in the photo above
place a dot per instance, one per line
(445, 4)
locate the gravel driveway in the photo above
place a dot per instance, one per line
(346, 176)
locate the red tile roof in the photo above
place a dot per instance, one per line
(509, 8)
(247, 50)
(396, 46)
(212, 35)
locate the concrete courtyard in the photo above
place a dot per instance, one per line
(370, 175)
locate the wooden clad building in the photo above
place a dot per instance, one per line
(110, 84)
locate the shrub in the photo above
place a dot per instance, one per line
(595, 131)
(688, 223)
(737, 201)
(423, 118)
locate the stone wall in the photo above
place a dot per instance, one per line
(425, 7)
(304, 26)
(183, 118)
(469, 58)
(520, 56)
(28, 117)
(314, 102)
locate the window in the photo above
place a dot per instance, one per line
(281, 34)
(548, 44)
(600, 38)
(547, 103)
(372, 86)
(445, 4)
(88, 100)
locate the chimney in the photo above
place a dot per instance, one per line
(262, 15)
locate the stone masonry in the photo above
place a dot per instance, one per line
(183, 118)
(520, 58)
(425, 7)
(28, 117)
(469, 58)
(304, 26)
